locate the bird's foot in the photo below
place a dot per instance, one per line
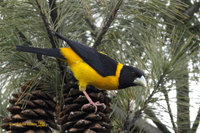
(95, 104)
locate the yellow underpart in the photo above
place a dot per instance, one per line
(86, 75)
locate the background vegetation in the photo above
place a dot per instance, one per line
(159, 37)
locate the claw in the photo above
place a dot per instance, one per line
(95, 104)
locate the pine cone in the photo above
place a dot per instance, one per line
(77, 118)
(33, 114)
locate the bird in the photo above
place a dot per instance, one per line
(91, 67)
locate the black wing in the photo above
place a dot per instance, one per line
(103, 64)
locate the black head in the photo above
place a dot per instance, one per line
(131, 76)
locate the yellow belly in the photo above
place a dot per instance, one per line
(86, 75)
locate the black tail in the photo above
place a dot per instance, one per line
(43, 51)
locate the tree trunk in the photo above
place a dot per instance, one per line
(183, 112)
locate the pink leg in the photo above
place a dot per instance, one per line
(95, 104)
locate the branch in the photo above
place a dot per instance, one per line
(127, 117)
(142, 126)
(92, 26)
(50, 34)
(153, 92)
(196, 123)
(190, 12)
(195, 29)
(158, 123)
(24, 39)
(47, 26)
(107, 25)
(129, 124)
(54, 12)
(169, 110)
(193, 9)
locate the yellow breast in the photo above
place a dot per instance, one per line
(86, 75)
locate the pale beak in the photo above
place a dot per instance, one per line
(141, 81)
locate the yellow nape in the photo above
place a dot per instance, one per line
(102, 52)
(86, 75)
